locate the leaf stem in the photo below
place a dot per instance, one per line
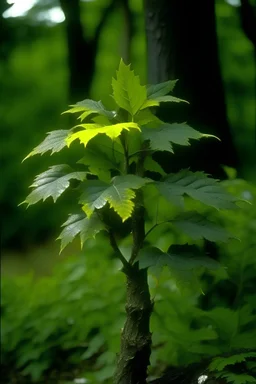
(140, 151)
(113, 243)
(156, 225)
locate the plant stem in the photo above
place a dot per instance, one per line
(134, 357)
(113, 243)
(136, 337)
(133, 360)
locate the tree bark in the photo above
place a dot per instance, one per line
(182, 44)
(136, 337)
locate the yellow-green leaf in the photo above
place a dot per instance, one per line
(119, 195)
(128, 93)
(92, 130)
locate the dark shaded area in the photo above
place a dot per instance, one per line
(82, 50)
(182, 44)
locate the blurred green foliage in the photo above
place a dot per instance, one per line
(68, 325)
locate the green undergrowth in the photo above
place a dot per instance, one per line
(67, 326)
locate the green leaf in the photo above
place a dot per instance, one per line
(179, 257)
(198, 186)
(198, 227)
(92, 130)
(160, 89)
(169, 98)
(235, 378)
(98, 163)
(149, 103)
(52, 183)
(89, 107)
(144, 117)
(153, 166)
(219, 363)
(54, 141)
(127, 91)
(161, 137)
(80, 224)
(119, 194)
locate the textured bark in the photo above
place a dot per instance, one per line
(135, 350)
(182, 44)
(136, 337)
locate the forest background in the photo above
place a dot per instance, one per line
(54, 53)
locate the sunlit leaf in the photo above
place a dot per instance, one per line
(92, 130)
(89, 107)
(127, 91)
(119, 195)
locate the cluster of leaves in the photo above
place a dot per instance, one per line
(67, 321)
(119, 146)
(118, 162)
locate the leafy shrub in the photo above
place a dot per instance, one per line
(69, 320)
(119, 146)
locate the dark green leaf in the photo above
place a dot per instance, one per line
(198, 227)
(54, 141)
(198, 186)
(80, 224)
(178, 257)
(160, 89)
(53, 183)
(161, 137)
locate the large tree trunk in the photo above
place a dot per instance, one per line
(182, 44)
(81, 51)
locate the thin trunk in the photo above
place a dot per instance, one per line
(182, 44)
(136, 337)
(134, 357)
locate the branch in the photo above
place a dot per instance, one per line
(248, 20)
(156, 225)
(118, 253)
